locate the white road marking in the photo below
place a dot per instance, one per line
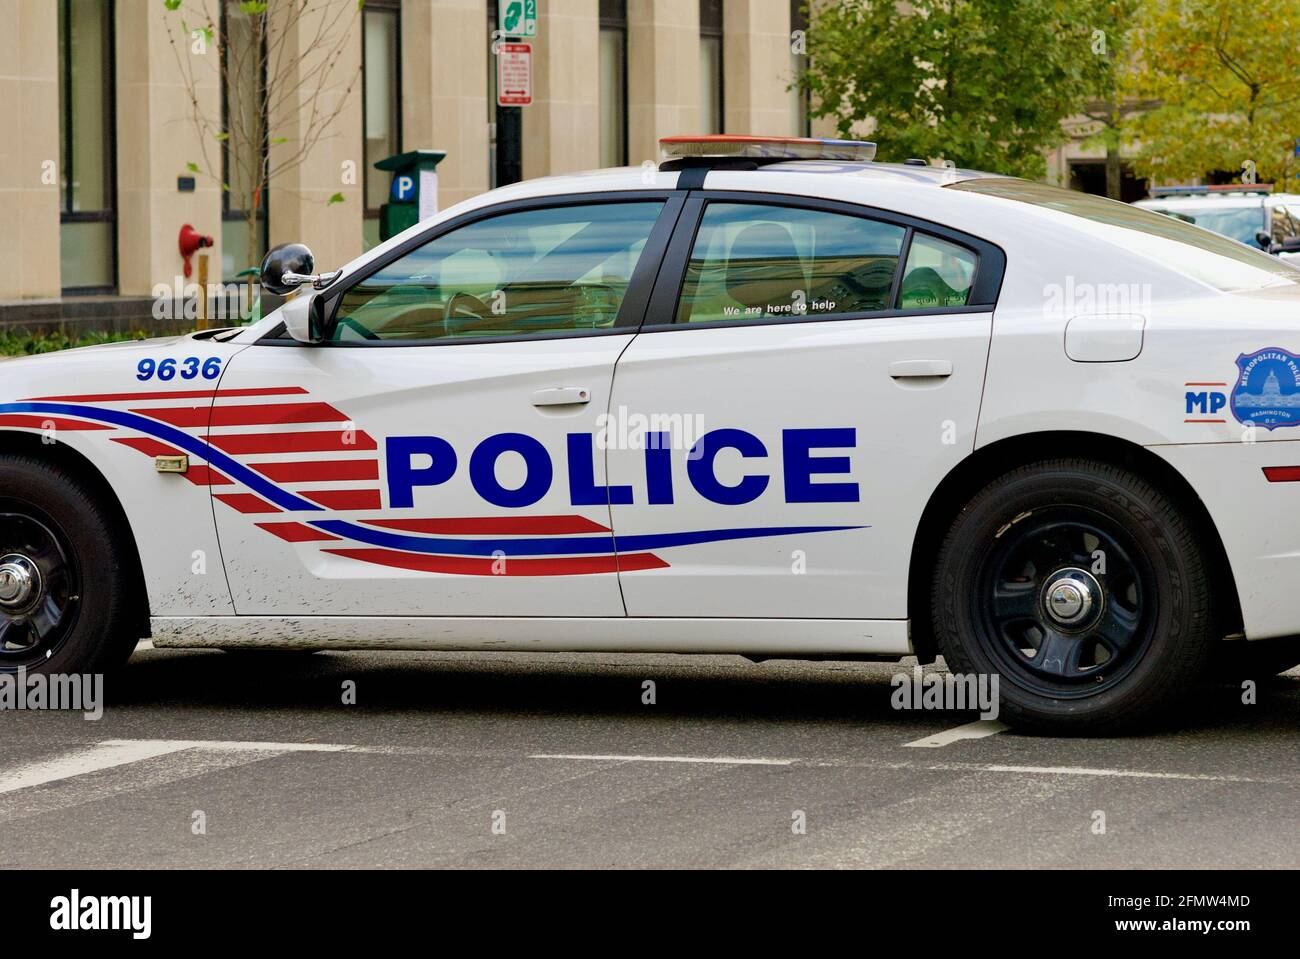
(716, 760)
(90, 759)
(230, 745)
(1124, 773)
(976, 730)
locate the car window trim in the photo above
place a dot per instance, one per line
(666, 296)
(631, 313)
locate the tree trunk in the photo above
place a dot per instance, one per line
(1114, 172)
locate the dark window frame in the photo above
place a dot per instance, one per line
(613, 16)
(712, 28)
(391, 8)
(229, 214)
(109, 92)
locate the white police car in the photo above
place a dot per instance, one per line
(813, 407)
(1254, 215)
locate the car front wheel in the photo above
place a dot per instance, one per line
(1083, 588)
(66, 602)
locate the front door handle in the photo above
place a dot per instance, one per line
(906, 369)
(562, 396)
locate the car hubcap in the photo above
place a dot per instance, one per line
(1065, 600)
(1072, 598)
(20, 582)
(39, 588)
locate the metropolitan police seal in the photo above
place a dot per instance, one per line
(1267, 391)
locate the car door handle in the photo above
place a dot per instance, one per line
(905, 369)
(562, 396)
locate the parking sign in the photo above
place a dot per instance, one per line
(517, 18)
(515, 74)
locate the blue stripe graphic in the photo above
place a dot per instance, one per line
(557, 546)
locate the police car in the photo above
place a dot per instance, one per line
(1255, 215)
(770, 398)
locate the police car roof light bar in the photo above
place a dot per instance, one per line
(722, 149)
(1216, 188)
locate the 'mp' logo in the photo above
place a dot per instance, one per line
(1206, 403)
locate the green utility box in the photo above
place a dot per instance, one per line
(414, 194)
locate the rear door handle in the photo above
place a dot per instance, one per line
(562, 396)
(905, 369)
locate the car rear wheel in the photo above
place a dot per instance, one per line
(65, 588)
(1082, 587)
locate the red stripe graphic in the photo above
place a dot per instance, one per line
(207, 476)
(494, 525)
(314, 441)
(1282, 474)
(484, 566)
(247, 503)
(322, 471)
(346, 499)
(38, 422)
(265, 414)
(174, 395)
(296, 532)
(149, 447)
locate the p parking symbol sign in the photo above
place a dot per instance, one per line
(403, 187)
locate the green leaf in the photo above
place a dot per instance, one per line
(278, 140)
(336, 198)
(172, 4)
(192, 167)
(223, 137)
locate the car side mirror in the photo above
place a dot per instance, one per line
(1264, 241)
(286, 267)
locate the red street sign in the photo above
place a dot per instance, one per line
(515, 74)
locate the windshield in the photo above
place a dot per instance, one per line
(1193, 251)
(1239, 222)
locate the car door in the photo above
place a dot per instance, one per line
(808, 374)
(421, 461)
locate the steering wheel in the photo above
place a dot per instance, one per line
(354, 326)
(460, 307)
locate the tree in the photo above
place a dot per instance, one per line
(983, 83)
(280, 76)
(1117, 97)
(1229, 78)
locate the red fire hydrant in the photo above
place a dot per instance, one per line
(191, 241)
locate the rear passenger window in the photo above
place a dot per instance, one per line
(938, 274)
(753, 262)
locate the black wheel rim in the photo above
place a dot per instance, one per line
(40, 587)
(1065, 600)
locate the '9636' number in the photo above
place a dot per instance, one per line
(188, 368)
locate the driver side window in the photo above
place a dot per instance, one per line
(562, 270)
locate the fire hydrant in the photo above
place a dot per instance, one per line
(191, 241)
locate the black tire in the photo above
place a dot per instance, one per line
(1262, 659)
(62, 529)
(1097, 538)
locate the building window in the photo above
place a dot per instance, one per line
(613, 83)
(381, 103)
(711, 97)
(87, 232)
(244, 153)
(800, 114)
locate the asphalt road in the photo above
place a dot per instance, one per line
(504, 760)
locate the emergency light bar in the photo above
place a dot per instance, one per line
(769, 149)
(1218, 188)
